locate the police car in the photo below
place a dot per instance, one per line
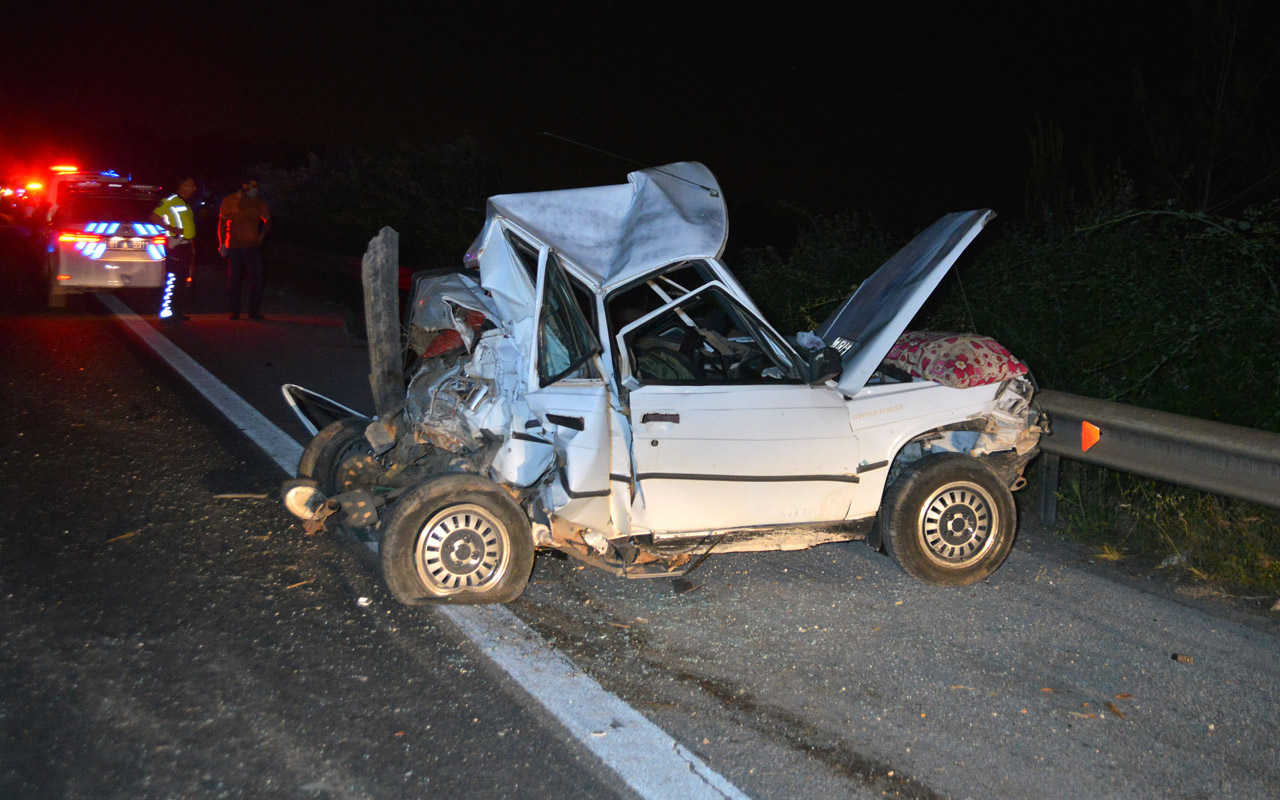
(100, 237)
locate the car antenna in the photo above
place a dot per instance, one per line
(711, 191)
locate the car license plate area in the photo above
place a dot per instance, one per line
(120, 243)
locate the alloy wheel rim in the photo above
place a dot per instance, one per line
(957, 524)
(461, 547)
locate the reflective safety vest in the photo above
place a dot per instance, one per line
(177, 213)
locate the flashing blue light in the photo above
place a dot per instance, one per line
(95, 250)
(111, 173)
(112, 227)
(165, 310)
(155, 251)
(80, 245)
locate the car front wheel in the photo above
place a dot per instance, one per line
(949, 520)
(456, 538)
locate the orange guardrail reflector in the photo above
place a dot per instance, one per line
(1089, 435)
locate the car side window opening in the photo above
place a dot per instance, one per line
(565, 341)
(625, 306)
(707, 339)
(526, 254)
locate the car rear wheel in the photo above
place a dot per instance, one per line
(338, 449)
(948, 520)
(458, 539)
(56, 298)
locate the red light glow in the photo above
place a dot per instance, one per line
(79, 237)
(64, 168)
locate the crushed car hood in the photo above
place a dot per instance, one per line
(871, 320)
(613, 234)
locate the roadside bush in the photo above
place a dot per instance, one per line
(1158, 308)
(830, 257)
(429, 193)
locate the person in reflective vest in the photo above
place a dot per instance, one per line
(179, 220)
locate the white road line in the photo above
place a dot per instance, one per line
(648, 760)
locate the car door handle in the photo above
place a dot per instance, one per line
(564, 421)
(659, 417)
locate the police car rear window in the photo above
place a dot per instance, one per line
(83, 208)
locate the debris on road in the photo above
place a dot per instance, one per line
(363, 602)
(1183, 658)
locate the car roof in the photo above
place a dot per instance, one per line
(614, 234)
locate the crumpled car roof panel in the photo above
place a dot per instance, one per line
(614, 234)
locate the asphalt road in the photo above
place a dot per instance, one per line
(160, 640)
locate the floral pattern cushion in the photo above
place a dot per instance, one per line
(958, 360)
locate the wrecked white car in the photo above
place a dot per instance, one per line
(594, 380)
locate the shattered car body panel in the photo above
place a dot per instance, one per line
(599, 361)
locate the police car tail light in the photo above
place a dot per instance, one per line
(78, 236)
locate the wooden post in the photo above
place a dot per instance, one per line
(380, 269)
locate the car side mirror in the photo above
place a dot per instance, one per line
(824, 365)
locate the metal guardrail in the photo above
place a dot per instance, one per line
(1212, 456)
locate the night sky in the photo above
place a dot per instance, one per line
(901, 111)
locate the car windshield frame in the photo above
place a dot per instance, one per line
(770, 345)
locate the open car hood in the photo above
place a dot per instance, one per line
(871, 320)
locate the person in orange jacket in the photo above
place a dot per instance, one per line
(243, 222)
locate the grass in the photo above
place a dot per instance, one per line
(1204, 537)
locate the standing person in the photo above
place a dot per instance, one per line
(175, 215)
(243, 221)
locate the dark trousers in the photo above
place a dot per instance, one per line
(239, 261)
(178, 261)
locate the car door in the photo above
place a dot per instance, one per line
(725, 433)
(570, 401)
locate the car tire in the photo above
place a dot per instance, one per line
(948, 520)
(323, 457)
(56, 299)
(456, 538)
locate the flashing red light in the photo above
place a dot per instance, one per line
(71, 236)
(34, 185)
(64, 168)
(158, 240)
